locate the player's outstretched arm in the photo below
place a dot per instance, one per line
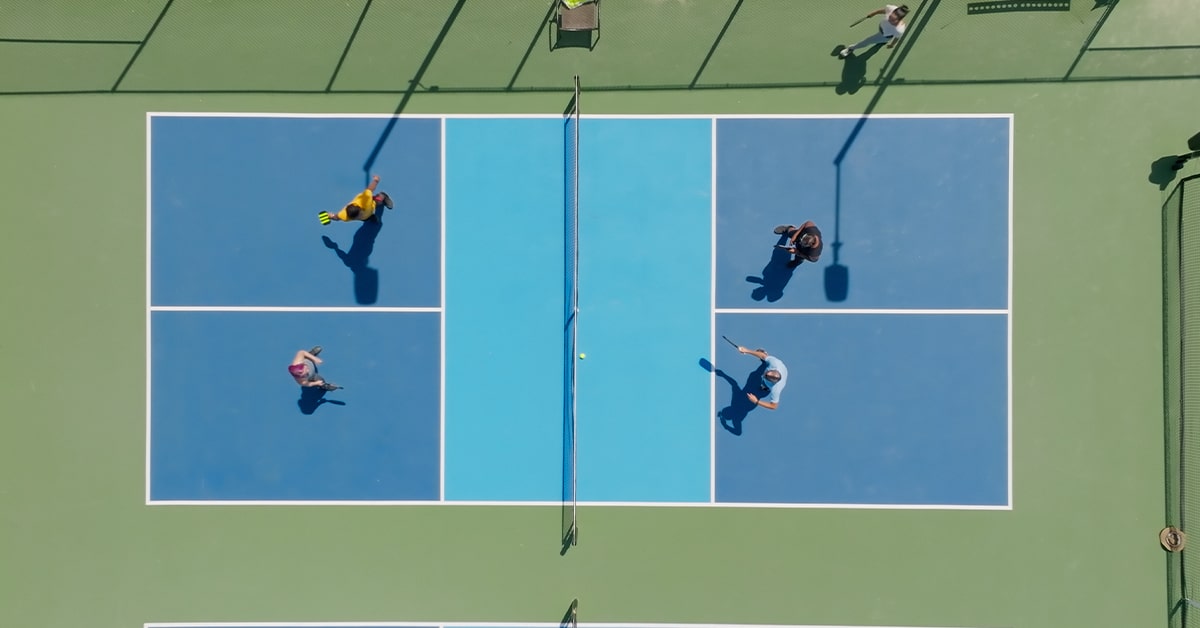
(758, 353)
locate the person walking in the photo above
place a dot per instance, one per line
(891, 29)
(803, 242)
(773, 379)
(362, 207)
(304, 370)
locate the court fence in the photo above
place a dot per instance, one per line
(163, 46)
(1181, 361)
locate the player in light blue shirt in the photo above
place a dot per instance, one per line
(773, 380)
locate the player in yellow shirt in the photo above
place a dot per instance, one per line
(362, 207)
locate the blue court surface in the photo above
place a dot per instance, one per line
(445, 321)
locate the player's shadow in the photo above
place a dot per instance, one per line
(366, 279)
(775, 275)
(732, 415)
(313, 397)
(854, 70)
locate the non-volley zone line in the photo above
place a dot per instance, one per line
(254, 308)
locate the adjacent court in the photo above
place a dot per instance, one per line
(897, 340)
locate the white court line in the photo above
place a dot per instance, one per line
(274, 308)
(939, 312)
(488, 624)
(442, 330)
(149, 266)
(712, 325)
(559, 503)
(1011, 151)
(598, 116)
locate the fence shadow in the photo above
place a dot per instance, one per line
(727, 52)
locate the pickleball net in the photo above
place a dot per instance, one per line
(1181, 361)
(571, 318)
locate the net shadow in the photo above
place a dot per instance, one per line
(571, 148)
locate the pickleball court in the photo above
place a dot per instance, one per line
(445, 322)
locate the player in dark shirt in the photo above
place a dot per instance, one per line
(803, 242)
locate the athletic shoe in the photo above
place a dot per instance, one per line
(315, 350)
(328, 386)
(387, 200)
(845, 52)
(782, 229)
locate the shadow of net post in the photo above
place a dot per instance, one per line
(837, 276)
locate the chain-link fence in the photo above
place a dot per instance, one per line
(406, 46)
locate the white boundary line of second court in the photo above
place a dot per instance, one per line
(496, 624)
(593, 116)
(558, 504)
